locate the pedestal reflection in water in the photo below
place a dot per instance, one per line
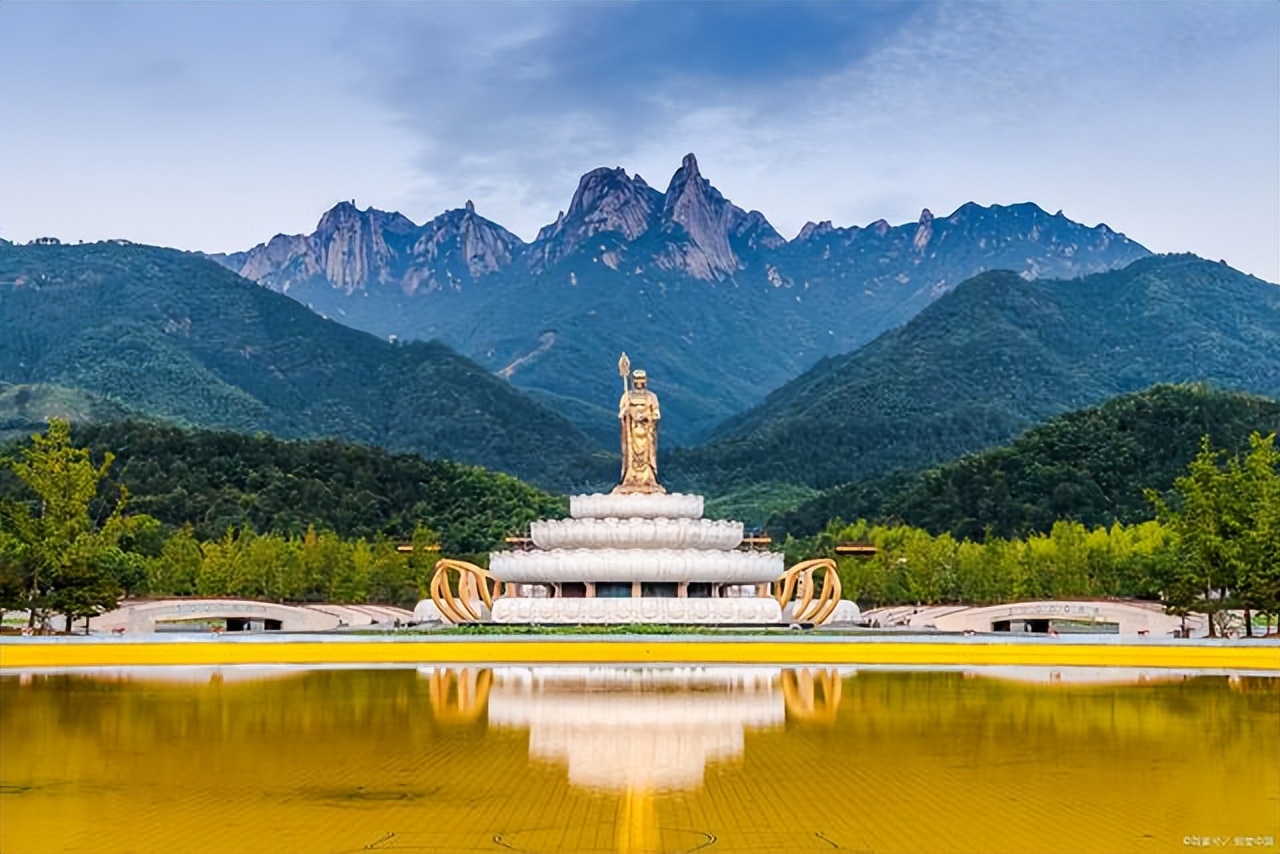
(618, 730)
(636, 759)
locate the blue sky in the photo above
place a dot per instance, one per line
(214, 126)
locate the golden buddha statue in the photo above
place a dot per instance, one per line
(638, 416)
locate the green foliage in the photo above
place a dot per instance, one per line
(1091, 466)
(55, 557)
(68, 547)
(25, 409)
(312, 567)
(212, 481)
(58, 556)
(1225, 524)
(756, 504)
(1214, 547)
(176, 336)
(991, 359)
(1071, 561)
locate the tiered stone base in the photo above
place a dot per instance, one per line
(759, 610)
(670, 565)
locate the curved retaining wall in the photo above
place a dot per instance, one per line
(143, 616)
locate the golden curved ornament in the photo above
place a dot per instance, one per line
(812, 607)
(473, 583)
(812, 695)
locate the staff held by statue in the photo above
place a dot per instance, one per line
(624, 370)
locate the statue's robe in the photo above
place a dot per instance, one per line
(639, 414)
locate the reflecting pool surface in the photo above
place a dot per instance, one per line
(637, 759)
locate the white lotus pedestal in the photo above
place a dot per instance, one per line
(645, 609)
(623, 559)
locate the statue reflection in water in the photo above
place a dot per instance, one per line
(635, 733)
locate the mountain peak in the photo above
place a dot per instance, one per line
(690, 165)
(345, 215)
(607, 200)
(456, 241)
(603, 187)
(686, 180)
(813, 229)
(756, 231)
(344, 211)
(706, 216)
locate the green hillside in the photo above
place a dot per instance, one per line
(991, 359)
(24, 409)
(177, 336)
(216, 480)
(1089, 466)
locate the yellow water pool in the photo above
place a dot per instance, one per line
(599, 757)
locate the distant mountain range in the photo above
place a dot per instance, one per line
(173, 335)
(989, 360)
(711, 299)
(842, 356)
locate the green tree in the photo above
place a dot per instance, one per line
(1255, 483)
(64, 557)
(389, 578)
(423, 557)
(175, 571)
(1223, 524)
(14, 563)
(274, 568)
(350, 578)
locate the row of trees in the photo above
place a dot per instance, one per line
(912, 566)
(315, 567)
(1214, 546)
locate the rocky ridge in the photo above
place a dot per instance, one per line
(707, 295)
(355, 250)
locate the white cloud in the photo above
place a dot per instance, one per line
(217, 126)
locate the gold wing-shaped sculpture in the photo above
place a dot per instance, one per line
(812, 607)
(473, 584)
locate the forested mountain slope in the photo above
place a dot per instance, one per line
(177, 336)
(25, 408)
(991, 359)
(1091, 466)
(214, 480)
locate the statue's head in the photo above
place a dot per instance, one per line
(640, 378)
